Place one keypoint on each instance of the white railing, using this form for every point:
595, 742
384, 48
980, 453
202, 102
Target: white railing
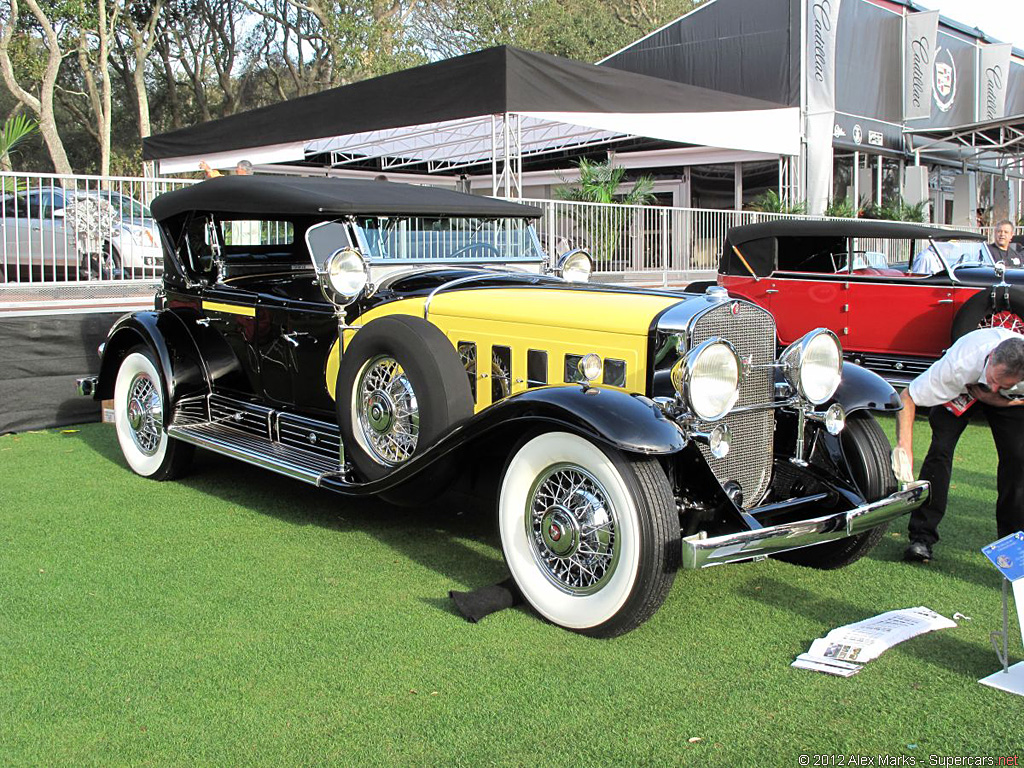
41, 245
653, 243
68, 230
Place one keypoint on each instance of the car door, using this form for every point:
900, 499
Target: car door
230, 313
908, 316
297, 337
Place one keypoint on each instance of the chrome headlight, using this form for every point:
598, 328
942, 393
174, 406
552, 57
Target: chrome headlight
575, 266
708, 379
813, 366
344, 276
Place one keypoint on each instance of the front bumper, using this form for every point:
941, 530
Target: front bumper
701, 552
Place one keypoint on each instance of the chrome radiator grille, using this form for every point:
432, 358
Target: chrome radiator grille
752, 331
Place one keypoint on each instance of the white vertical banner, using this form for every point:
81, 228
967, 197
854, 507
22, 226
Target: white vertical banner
993, 74
918, 57
822, 17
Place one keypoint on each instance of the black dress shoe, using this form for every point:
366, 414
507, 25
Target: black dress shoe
918, 552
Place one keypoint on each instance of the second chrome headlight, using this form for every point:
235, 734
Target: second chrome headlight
814, 365
708, 379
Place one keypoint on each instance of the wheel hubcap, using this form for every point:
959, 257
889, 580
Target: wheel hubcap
387, 414
145, 414
571, 527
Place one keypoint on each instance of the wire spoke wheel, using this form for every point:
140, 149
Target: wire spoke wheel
145, 413
571, 527
387, 411
590, 535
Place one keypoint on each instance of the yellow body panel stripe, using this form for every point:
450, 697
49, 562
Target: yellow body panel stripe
231, 309
614, 325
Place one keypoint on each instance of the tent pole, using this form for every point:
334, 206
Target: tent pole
494, 159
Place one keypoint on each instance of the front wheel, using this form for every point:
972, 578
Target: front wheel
139, 419
867, 452
590, 535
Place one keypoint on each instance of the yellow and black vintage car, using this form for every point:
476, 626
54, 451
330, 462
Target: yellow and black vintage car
375, 338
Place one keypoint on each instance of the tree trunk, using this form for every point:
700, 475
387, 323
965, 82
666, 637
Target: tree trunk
41, 106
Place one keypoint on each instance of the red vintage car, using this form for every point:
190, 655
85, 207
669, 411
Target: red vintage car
895, 294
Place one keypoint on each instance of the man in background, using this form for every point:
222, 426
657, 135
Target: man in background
1001, 248
975, 370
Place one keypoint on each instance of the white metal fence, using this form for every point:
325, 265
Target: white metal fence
79, 230
656, 244
112, 241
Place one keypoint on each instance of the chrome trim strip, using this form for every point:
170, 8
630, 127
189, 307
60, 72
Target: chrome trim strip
701, 552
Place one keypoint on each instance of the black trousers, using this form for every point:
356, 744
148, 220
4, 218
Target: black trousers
1007, 426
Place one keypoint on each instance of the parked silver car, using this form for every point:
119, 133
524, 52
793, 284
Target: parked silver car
37, 242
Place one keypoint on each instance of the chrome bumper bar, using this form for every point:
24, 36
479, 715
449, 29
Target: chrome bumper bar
699, 551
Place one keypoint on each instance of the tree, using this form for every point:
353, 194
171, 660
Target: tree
40, 103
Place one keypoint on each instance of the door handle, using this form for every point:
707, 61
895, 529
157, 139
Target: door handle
203, 321
772, 290
292, 338
944, 301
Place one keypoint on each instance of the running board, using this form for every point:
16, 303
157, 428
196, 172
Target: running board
261, 451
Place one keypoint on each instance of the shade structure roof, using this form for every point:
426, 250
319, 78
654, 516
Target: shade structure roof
289, 196
442, 115
1000, 139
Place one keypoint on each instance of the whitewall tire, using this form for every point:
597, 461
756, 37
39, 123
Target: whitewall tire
139, 402
590, 535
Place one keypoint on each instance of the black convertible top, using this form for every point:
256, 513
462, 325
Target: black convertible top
845, 228
292, 195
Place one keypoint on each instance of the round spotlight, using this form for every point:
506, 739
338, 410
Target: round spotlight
835, 419
720, 441
344, 276
590, 366
575, 266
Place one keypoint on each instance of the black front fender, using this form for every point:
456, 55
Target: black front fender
861, 389
166, 335
630, 423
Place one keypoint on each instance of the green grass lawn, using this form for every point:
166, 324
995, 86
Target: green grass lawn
237, 618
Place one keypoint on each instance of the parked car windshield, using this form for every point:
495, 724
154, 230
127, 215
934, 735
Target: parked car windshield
420, 239
954, 253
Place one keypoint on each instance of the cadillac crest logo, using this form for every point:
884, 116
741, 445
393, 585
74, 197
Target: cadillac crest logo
945, 79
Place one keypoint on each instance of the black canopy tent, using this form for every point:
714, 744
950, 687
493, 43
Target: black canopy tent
494, 107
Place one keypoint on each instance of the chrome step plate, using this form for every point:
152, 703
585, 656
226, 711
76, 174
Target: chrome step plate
261, 451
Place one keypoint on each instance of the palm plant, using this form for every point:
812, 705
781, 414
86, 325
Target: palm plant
15, 130
599, 182
770, 202
841, 208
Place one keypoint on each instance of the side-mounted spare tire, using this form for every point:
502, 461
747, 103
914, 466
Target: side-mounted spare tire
996, 306
401, 386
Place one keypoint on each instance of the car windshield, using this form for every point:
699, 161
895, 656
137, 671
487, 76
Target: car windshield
419, 239
954, 253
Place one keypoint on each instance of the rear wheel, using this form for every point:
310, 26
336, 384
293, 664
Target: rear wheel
139, 419
983, 310
867, 451
590, 535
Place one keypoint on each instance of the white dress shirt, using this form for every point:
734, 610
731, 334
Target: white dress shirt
963, 364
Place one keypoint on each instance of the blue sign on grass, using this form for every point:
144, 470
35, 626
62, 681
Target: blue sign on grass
1007, 555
